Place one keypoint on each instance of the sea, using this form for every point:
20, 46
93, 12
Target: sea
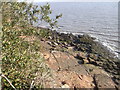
97, 19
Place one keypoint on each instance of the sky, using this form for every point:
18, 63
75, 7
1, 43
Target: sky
70, 0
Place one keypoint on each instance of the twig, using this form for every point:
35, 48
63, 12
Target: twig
31, 86
8, 81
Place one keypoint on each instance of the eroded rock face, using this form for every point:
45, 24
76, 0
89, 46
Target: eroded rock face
75, 62
67, 72
79, 59
62, 61
72, 79
103, 81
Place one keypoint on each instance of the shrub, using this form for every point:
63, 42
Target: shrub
21, 60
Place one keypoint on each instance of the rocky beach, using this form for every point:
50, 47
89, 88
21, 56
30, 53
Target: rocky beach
77, 61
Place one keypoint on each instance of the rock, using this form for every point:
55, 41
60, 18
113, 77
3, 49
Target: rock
52, 63
50, 43
85, 61
83, 54
94, 56
42, 39
70, 48
65, 86
92, 60
55, 43
103, 81
46, 55
61, 60
95, 70
79, 69
79, 36
49, 37
73, 79
99, 63
80, 59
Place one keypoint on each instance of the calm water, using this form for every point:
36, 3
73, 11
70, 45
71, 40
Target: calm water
99, 20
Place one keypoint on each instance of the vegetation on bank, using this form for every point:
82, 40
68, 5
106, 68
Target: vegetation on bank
21, 60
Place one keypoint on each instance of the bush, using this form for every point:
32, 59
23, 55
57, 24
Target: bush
21, 59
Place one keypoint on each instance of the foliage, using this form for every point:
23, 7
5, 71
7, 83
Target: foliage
21, 59
45, 12
23, 14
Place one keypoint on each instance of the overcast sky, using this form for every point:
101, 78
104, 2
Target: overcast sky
71, 0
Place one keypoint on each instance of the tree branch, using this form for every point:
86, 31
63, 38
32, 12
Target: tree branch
8, 81
31, 86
